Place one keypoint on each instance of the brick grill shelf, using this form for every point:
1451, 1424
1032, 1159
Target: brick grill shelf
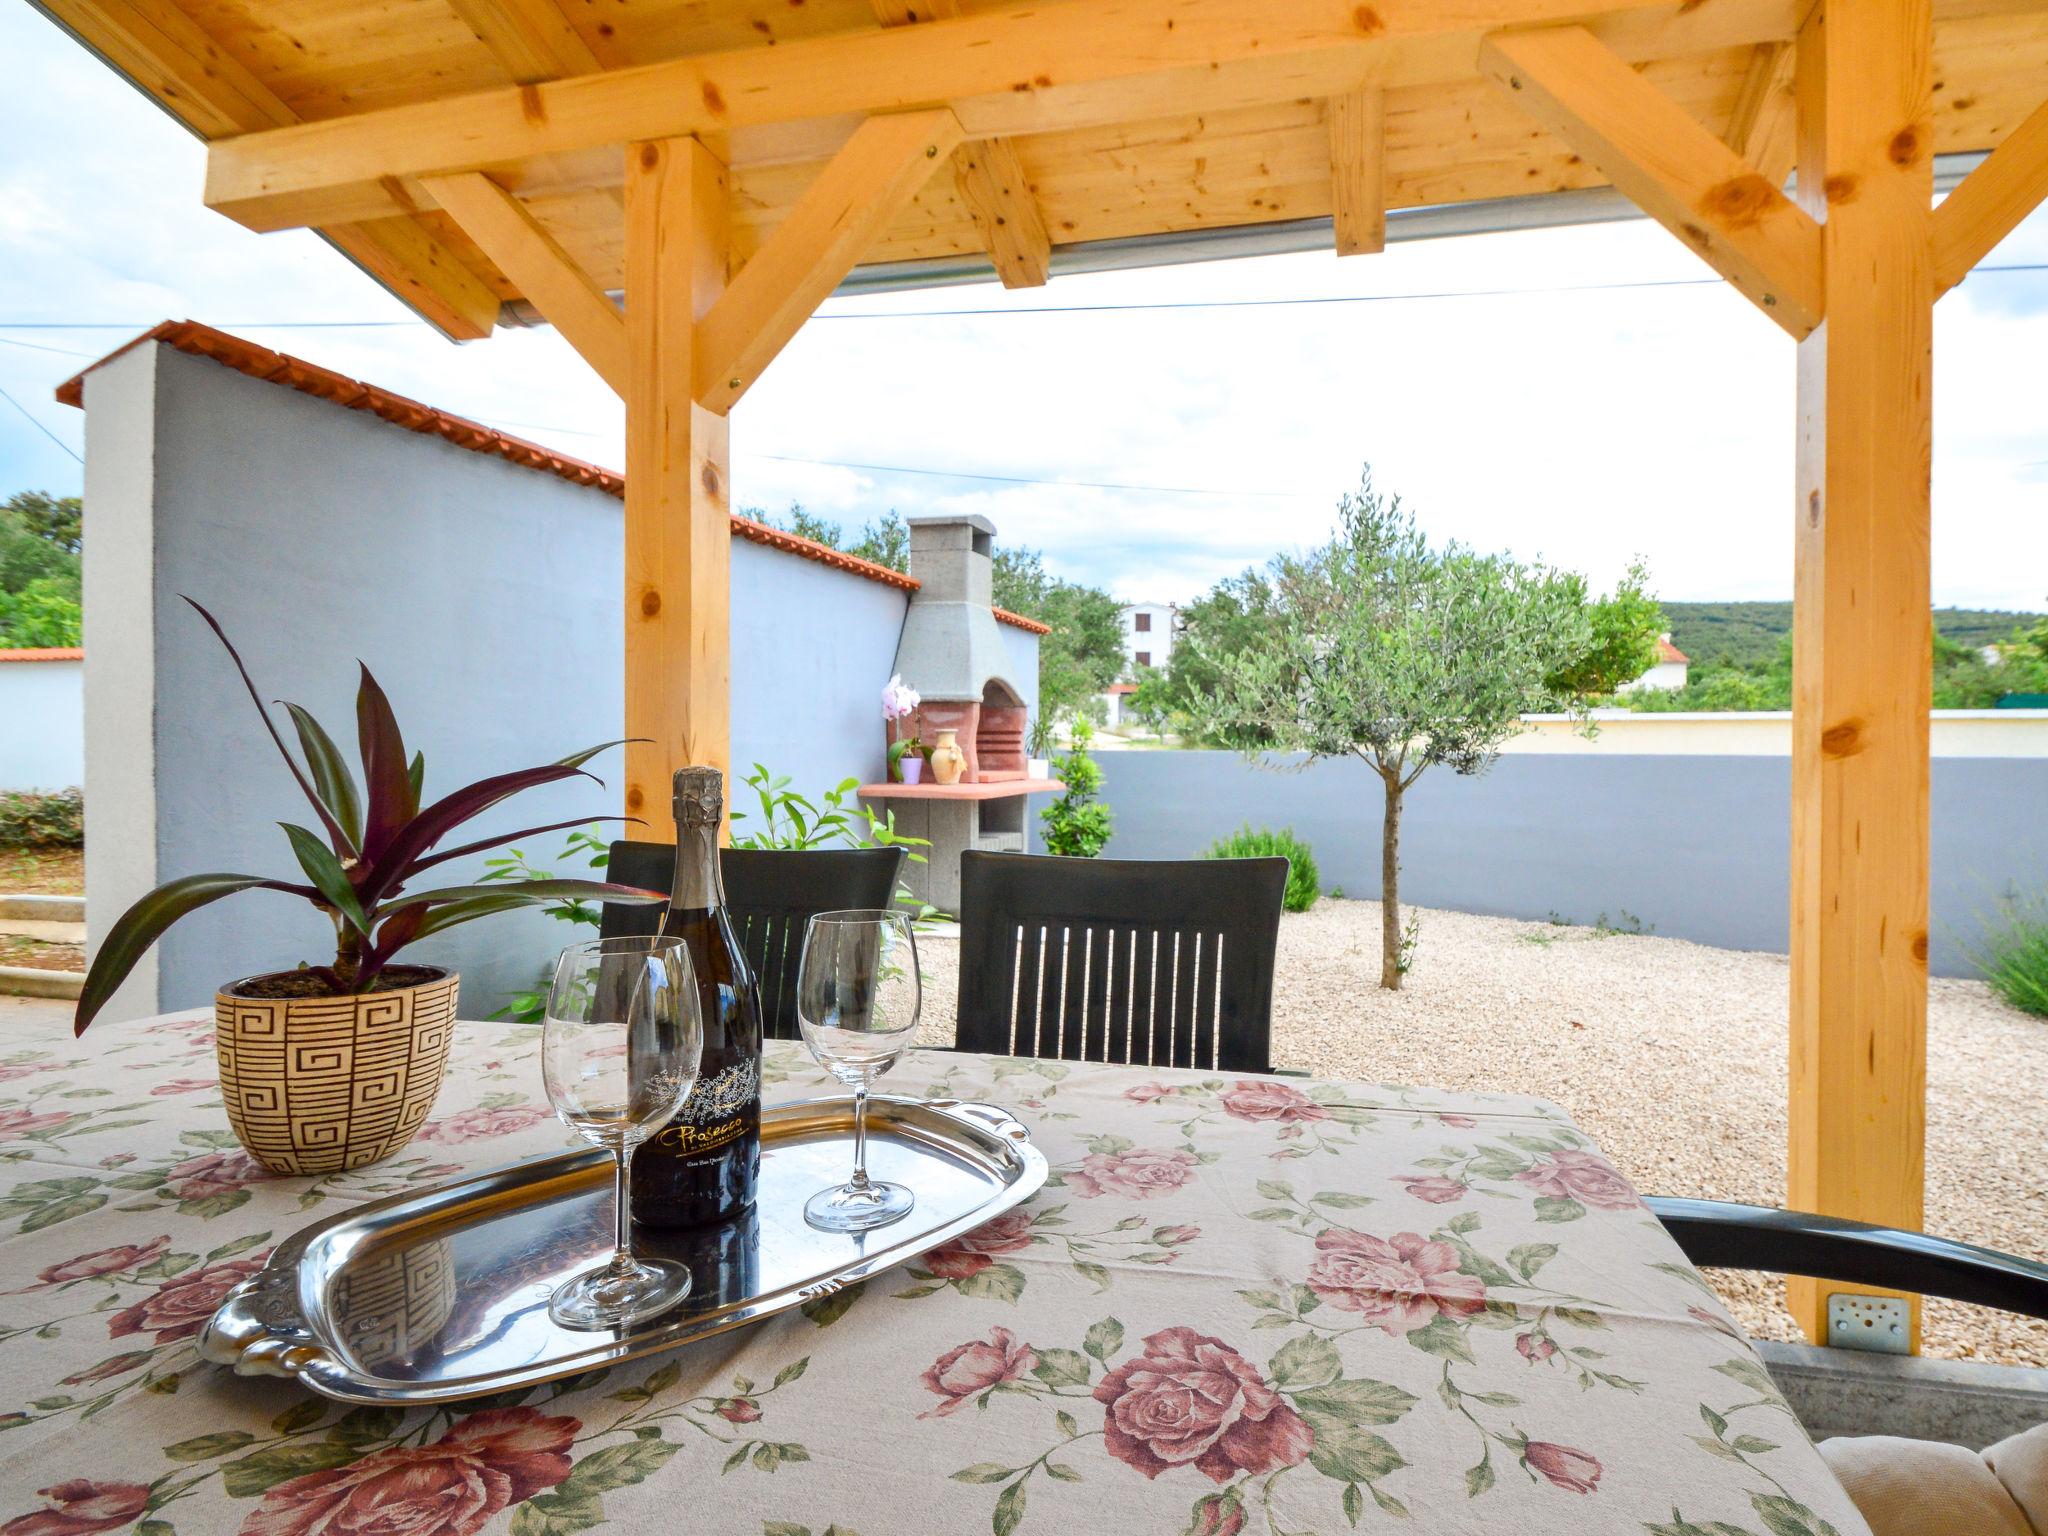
998, 789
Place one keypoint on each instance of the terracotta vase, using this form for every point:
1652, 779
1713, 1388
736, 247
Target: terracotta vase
319, 1084
948, 761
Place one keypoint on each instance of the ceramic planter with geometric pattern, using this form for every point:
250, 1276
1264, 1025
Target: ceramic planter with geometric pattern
319, 1084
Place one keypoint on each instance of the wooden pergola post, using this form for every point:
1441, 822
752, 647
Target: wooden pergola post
678, 470
1862, 651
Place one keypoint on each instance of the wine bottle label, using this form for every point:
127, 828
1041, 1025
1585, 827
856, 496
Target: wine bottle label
716, 1111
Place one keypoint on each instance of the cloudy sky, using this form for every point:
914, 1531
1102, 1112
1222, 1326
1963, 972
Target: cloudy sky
1578, 395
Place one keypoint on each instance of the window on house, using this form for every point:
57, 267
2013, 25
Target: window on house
1144, 658
1142, 623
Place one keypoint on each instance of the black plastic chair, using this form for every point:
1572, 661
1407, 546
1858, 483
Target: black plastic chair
1723, 1235
771, 893
1151, 963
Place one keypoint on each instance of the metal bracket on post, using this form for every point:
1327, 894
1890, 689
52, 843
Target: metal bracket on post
1876, 1324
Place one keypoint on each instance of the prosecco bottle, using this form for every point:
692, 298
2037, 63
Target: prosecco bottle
702, 1166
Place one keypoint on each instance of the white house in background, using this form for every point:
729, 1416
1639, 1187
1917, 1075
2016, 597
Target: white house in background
1148, 634
1668, 674
42, 719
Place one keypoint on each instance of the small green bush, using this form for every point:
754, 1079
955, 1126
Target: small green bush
1077, 824
54, 820
2014, 955
1303, 883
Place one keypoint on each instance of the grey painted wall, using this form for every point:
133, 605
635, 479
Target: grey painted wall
486, 598
1698, 847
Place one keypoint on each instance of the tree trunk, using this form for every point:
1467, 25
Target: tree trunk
1390, 886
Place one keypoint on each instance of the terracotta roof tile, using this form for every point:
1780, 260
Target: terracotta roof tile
309, 378
45, 653
1667, 652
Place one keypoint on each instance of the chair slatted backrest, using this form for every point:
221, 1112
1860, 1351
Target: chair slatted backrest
1146, 962
772, 893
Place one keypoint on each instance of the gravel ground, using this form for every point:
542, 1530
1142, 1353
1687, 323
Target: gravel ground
1672, 1056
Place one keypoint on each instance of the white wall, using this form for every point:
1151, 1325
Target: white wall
1157, 642
42, 724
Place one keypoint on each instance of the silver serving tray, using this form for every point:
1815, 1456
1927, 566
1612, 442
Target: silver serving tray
442, 1294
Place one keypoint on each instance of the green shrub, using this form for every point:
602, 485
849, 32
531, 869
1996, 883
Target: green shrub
1077, 824
55, 820
1303, 883
2014, 955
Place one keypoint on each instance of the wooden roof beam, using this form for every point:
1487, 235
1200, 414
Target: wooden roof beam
882, 167
1357, 123
531, 39
573, 302
205, 87
989, 177
1668, 165
1992, 200
1019, 69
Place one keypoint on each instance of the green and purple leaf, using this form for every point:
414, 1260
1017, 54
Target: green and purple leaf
327, 875
387, 781
393, 864
334, 830
531, 892
144, 923
331, 777
486, 844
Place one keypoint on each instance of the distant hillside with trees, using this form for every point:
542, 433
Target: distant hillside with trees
1747, 636
40, 539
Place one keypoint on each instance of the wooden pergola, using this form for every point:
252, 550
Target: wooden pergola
728, 163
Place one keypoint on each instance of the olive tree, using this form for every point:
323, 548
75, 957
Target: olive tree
1403, 656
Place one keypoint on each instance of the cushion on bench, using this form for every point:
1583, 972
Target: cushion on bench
1930, 1488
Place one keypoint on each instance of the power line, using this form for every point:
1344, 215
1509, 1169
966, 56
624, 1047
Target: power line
53, 437
962, 474
29, 346
1040, 309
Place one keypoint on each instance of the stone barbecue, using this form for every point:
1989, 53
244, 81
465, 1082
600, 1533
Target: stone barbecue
952, 653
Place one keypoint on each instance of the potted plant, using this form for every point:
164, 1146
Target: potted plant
906, 752
335, 1065
1039, 741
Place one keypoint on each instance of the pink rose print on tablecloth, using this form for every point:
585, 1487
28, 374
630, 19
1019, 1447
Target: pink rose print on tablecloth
1400, 1284
1457, 1122
105, 1261
1271, 1101
1192, 1399
214, 1173
970, 1255
1585, 1177
183, 1085
1216, 1514
481, 1124
960, 1373
1433, 1187
1148, 1093
738, 1410
484, 1465
179, 1307
1534, 1348
1573, 1471
26, 1122
79, 1507
10, 1071
107, 1369
1141, 1173
1174, 1237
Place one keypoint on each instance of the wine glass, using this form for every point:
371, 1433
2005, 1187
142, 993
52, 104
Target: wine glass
619, 1054
857, 996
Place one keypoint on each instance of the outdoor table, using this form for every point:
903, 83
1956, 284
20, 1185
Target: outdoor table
1260, 1304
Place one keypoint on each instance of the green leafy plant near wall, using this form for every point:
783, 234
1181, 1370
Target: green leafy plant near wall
2014, 954
1077, 824
787, 820
53, 820
1304, 884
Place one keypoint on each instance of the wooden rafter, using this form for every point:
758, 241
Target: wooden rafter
157, 45
1019, 69
532, 39
1992, 200
854, 198
1358, 169
1670, 167
561, 290
989, 177
991, 182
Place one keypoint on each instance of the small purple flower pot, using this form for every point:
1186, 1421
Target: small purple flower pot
912, 768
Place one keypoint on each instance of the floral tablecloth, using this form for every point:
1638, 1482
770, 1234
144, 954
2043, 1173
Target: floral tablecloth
1240, 1304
